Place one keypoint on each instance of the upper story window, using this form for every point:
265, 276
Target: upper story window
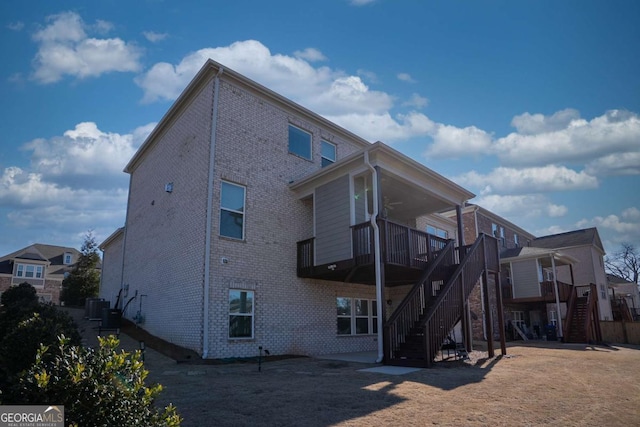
328, 151
232, 202
516, 240
299, 142
498, 232
67, 258
30, 271
437, 231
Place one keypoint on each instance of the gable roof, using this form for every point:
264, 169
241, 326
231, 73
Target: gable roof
211, 70
52, 254
529, 252
587, 236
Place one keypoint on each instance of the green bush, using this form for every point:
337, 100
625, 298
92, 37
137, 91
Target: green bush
100, 387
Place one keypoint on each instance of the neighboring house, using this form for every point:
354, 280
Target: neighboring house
254, 222
624, 297
43, 266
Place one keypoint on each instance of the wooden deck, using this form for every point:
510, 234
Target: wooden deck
406, 252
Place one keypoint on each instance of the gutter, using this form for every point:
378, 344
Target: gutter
377, 259
208, 230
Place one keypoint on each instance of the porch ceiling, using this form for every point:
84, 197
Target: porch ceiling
409, 189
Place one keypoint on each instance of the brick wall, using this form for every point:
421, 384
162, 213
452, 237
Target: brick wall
165, 241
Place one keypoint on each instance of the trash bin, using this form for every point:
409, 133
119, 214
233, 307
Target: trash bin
552, 335
111, 318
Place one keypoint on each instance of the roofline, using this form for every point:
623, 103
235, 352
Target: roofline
111, 238
555, 253
209, 70
472, 207
396, 155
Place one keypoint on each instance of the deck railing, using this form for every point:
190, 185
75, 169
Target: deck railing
547, 291
401, 245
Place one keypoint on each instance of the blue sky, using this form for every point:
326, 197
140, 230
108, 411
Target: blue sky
532, 105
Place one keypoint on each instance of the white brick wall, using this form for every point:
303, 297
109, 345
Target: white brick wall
166, 232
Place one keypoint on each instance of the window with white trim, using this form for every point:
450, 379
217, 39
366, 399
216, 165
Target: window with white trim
299, 142
516, 240
328, 153
435, 231
240, 313
356, 316
67, 258
30, 271
232, 200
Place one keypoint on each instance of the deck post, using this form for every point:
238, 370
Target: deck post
503, 341
487, 310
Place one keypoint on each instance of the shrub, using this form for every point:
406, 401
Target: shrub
100, 387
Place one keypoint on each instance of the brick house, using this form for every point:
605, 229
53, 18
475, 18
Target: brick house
254, 222
43, 266
539, 275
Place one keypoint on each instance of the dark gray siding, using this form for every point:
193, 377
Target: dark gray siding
333, 232
525, 279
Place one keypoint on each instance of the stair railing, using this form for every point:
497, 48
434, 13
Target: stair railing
592, 321
414, 304
448, 306
571, 308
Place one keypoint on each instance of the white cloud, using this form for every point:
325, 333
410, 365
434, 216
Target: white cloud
310, 54
616, 229
416, 101
405, 77
320, 89
451, 141
66, 49
564, 137
85, 155
533, 124
361, 2
382, 127
615, 164
505, 180
154, 37
521, 207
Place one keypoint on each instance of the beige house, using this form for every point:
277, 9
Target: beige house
43, 266
254, 222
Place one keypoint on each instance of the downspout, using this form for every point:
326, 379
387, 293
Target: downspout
377, 258
124, 246
208, 230
555, 284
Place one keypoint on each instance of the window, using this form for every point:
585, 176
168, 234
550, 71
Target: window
553, 320
437, 231
603, 292
32, 271
516, 240
67, 258
299, 142
328, 152
240, 314
356, 316
232, 210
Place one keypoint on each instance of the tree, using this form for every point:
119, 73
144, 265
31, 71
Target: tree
625, 263
84, 280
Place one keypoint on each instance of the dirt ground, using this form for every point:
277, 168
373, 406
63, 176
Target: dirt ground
536, 384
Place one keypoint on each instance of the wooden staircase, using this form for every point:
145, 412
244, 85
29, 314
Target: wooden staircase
583, 321
415, 332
